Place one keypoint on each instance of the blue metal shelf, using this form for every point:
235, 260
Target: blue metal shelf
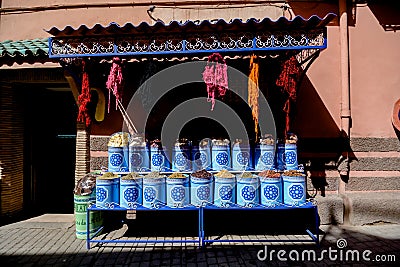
201, 240
141, 208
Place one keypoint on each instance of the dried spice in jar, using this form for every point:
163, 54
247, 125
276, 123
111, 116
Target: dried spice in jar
269, 174
108, 175
119, 140
220, 142
156, 143
183, 142
177, 175
154, 175
246, 175
291, 138
204, 143
224, 174
201, 174
293, 173
268, 139
138, 141
131, 176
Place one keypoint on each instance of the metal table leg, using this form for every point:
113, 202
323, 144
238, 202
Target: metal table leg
87, 229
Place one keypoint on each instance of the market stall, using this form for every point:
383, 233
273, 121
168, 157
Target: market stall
247, 172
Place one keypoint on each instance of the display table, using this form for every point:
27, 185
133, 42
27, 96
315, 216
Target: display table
201, 238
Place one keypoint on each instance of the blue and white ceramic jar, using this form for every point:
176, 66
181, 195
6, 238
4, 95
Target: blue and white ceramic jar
139, 155
291, 157
201, 156
107, 191
294, 189
130, 192
178, 191
241, 156
159, 160
271, 191
221, 156
248, 192
201, 189
225, 191
154, 195
118, 152
181, 157
264, 155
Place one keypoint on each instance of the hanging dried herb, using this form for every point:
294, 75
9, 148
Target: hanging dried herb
288, 81
115, 82
84, 98
215, 76
253, 93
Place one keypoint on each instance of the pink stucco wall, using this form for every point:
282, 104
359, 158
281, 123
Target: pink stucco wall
375, 76
33, 25
374, 70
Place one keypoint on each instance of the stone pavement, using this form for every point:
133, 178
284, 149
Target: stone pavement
49, 240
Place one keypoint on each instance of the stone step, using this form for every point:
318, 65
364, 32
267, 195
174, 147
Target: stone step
364, 207
369, 207
330, 209
359, 181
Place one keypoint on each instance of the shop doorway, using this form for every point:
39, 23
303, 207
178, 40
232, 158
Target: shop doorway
49, 150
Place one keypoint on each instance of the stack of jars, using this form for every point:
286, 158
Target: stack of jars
215, 155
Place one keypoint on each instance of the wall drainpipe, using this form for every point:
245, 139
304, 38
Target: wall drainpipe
345, 111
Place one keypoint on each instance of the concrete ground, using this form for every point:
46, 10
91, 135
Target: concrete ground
49, 240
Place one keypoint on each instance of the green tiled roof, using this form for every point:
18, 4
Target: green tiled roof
30, 51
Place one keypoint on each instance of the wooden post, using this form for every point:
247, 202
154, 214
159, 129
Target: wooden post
82, 155
82, 160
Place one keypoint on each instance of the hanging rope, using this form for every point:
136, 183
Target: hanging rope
253, 91
288, 81
215, 76
85, 97
114, 82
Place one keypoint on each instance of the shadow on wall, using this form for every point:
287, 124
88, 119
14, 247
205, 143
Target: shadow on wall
322, 143
313, 118
397, 133
387, 13
320, 8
